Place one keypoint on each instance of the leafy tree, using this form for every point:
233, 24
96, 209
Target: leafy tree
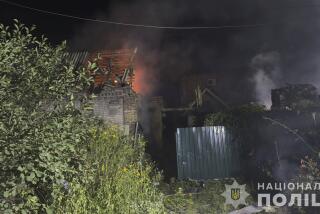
41, 131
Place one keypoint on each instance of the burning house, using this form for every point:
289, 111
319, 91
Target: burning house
115, 102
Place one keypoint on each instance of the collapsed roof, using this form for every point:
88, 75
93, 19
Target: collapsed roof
114, 68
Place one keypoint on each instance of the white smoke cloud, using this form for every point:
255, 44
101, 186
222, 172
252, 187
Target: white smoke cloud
267, 75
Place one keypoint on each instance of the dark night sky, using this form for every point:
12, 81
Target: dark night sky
288, 43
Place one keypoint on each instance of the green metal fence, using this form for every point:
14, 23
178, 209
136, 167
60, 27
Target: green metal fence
206, 153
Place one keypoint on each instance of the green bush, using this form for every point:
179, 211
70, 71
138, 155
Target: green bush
54, 158
121, 182
40, 129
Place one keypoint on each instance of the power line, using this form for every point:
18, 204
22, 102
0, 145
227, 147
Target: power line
131, 24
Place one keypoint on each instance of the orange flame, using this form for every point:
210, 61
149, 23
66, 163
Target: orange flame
142, 81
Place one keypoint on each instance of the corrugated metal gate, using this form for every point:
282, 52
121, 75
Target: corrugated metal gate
206, 153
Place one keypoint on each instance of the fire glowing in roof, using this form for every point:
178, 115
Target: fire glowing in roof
115, 67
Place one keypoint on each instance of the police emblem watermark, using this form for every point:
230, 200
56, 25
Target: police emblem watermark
235, 194
289, 194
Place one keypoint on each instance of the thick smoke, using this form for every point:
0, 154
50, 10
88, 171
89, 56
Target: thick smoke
165, 56
247, 62
270, 72
267, 76
288, 37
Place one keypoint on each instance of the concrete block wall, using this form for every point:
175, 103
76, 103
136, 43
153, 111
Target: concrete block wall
117, 106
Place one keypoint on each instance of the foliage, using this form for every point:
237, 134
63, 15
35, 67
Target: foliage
179, 202
121, 182
309, 174
311, 168
53, 157
245, 123
197, 197
300, 97
41, 131
235, 118
247, 126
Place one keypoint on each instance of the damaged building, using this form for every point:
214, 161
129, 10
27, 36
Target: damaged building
115, 102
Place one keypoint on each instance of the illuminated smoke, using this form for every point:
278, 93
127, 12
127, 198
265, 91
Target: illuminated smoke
142, 83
